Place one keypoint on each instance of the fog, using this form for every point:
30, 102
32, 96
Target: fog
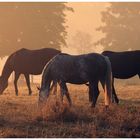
85, 18
81, 28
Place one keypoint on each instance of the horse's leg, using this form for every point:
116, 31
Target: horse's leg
114, 92
95, 93
28, 83
90, 92
15, 82
68, 97
64, 91
54, 87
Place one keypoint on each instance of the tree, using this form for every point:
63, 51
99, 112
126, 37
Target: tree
82, 42
32, 25
121, 27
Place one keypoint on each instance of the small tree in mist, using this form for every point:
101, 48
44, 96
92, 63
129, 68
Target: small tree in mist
32, 25
82, 42
121, 27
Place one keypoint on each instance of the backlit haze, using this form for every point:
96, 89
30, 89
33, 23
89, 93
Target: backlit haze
86, 18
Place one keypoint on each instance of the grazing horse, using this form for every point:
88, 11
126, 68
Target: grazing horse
78, 69
124, 65
25, 62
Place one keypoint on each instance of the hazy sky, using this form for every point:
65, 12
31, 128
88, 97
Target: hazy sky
86, 17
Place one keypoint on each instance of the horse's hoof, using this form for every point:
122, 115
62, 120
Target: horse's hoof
106, 107
117, 102
30, 93
92, 106
70, 105
113, 101
90, 100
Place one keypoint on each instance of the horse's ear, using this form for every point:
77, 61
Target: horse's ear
38, 88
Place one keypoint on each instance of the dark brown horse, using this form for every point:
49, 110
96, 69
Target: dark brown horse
25, 62
124, 65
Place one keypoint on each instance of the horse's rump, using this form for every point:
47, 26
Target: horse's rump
124, 64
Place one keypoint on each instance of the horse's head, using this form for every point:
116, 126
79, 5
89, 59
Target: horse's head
3, 84
43, 95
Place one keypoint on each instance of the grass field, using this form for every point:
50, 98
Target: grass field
19, 116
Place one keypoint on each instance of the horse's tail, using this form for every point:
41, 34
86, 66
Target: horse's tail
108, 82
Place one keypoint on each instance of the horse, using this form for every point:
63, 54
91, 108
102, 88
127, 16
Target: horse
77, 69
25, 62
124, 65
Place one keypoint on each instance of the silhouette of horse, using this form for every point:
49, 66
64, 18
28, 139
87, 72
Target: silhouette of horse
25, 62
78, 69
124, 65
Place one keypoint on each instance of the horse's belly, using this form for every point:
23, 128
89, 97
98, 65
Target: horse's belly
77, 81
29, 70
81, 78
124, 75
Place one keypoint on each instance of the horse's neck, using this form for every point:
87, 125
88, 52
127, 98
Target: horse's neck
46, 77
6, 72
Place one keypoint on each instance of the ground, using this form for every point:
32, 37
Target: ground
20, 117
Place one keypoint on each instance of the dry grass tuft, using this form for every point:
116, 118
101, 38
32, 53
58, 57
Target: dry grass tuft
55, 110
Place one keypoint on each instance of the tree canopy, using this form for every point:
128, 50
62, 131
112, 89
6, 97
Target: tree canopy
32, 25
121, 26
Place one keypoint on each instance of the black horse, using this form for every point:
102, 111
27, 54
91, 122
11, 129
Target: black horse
25, 62
79, 69
124, 65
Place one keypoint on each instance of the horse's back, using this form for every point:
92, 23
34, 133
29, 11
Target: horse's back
32, 61
124, 64
38, 52
78, 67
92, 58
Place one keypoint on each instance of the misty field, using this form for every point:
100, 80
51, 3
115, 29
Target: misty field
19, 116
